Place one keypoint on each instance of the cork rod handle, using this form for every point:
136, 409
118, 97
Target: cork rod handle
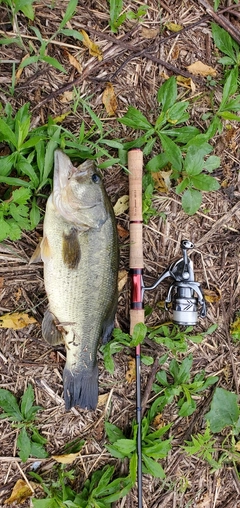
135, 166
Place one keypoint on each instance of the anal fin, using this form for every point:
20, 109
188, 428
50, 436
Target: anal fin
50, 331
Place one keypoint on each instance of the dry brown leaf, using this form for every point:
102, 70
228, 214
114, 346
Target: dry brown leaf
121, 205
123, 233
131, 372
73, 61
158, 422
66, 458
1, 282
94, 50
162, 181
149, 33
102, 399
202, 69
205, 502
122, 279
109, 100
186, 82
20, 69
212, 296
175, 52
16, 321
67, 97
173, 27
21, 491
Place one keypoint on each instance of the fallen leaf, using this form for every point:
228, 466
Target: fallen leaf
122, 279
60, 118
173, 27
202, 69
67, 458
1, 282
158, 422
121, 205
205, 502
109, 100
102, 399
149, 33
123, 233
186, 82
66, 97
73, 61
175, 52
20, 69
94, 50
162, 181
131, 372
21, 491
212, 296
16, 321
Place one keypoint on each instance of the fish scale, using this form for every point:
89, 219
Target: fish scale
80, 275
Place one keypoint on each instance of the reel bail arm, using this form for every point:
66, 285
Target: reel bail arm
181, 292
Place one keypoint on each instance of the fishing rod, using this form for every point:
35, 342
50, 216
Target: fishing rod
135, 166
184, 295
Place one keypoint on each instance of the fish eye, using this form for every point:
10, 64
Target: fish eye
96, 178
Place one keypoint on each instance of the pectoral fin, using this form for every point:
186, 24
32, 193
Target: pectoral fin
71, 249
36, 256
50, 331
45, 249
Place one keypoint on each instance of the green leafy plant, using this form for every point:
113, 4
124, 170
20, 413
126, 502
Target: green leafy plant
204, 447
177, 384
29, 441
117, 17
227, 45
154, 447
28, 167
188, 163
175, 339
99, 491
17, 6
224, 413
121, 340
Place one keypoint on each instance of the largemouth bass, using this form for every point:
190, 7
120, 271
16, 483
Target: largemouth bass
80, 254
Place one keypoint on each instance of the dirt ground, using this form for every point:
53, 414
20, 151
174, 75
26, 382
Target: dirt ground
136, 62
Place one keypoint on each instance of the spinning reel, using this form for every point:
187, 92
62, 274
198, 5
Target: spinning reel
182, 290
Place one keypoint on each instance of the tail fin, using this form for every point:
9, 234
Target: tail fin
81, 389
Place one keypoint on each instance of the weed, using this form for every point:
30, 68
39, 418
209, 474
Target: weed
98, 491
117, 17
154, 447
224, 413
178, 385
29, 441
188, 163
17, 6
30, 162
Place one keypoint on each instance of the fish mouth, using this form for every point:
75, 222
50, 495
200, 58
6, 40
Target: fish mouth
63, 170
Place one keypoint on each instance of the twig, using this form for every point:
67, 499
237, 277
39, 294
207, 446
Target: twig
222, 21
226, 326
220, 223
24, 477
149, 384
